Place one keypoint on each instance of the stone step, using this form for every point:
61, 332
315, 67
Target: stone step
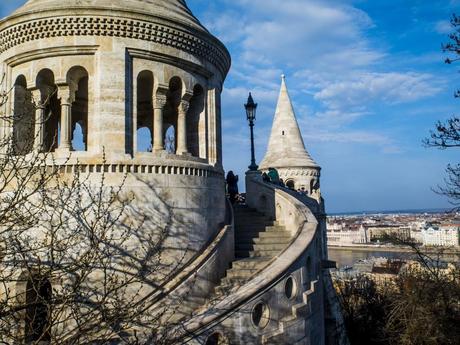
234, 281
275, 228
244, 243
241, 273
270, 246
251, 263
259, 253
275, 234
272, 240
260, 239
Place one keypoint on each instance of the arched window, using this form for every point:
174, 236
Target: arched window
78, 141
77, 78
170, 140
38, 313
174, 97
196, 122
52, 110
23, 118
144, 111
290, 184
144, 140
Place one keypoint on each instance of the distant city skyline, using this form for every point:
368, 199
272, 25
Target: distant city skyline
367, 80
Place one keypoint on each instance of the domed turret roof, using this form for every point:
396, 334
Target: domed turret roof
175, 10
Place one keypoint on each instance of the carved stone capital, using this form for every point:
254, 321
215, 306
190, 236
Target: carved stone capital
66, 94
37, 98
184, 106
159, 101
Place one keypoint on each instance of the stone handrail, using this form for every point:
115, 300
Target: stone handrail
297, 218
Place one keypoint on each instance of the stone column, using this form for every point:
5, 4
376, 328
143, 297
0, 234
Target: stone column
159, 103
65, 94
182, 128
39, 120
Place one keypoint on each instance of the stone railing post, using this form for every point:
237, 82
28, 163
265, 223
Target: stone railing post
159, 103
182, 128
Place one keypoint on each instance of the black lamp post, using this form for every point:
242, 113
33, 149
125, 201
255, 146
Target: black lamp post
251, 108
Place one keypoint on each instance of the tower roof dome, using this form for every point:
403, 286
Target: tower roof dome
176, 10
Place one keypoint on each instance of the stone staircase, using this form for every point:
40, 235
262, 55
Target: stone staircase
257, 242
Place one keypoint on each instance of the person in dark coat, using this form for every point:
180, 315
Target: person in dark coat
265, 177
232, 186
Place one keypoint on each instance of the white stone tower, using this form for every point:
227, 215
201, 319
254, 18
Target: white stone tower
286, 149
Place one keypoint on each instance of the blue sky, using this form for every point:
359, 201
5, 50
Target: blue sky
367, 80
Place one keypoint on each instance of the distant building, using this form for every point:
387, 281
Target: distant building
446, 235
342, 235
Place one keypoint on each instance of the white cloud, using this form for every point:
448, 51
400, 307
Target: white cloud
443, 27
390, 88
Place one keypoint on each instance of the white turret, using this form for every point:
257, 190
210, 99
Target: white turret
286, 149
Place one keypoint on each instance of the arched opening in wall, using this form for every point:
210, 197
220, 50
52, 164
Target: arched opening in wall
144, 140
195, 121
216, 339
23, 118
77, 78
144, 111
78, 136
290, 184
260, 315
173, 97
38, 312
52, 110
170, 140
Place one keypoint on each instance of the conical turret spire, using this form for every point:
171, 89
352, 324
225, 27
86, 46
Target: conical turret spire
286, 147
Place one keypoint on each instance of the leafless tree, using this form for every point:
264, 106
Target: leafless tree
447, 134
81, 262
421, 305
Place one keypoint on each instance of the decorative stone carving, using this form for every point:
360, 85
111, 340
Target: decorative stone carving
116, 27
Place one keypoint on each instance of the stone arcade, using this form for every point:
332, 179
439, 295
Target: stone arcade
108, 72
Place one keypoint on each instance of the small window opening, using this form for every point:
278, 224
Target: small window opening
144, 140
261, 315
78, 136
170, 140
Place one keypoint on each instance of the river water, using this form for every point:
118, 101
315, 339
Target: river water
347, 257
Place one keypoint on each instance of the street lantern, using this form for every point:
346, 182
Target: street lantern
251, 108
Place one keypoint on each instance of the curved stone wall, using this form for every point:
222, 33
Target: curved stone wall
265, 310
